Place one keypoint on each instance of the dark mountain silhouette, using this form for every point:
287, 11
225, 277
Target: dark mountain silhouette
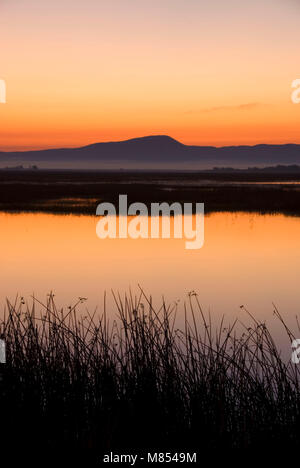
279, 169
159, 150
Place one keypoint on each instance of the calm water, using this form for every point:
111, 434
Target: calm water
247, 259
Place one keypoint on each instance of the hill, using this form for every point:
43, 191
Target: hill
154, 152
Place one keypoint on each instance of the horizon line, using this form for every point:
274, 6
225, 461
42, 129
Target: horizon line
159, 135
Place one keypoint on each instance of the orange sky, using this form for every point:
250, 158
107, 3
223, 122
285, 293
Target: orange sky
215, 73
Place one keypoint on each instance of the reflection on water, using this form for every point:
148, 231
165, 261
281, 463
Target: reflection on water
247, 259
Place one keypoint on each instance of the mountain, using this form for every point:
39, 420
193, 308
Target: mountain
156, 151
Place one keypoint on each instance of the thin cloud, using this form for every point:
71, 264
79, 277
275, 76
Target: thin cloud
247, 106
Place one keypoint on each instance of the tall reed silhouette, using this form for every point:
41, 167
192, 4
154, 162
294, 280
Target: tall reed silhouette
94, 383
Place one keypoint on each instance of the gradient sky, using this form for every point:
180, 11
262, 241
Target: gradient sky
205, 72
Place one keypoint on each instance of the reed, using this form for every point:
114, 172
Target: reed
90, 382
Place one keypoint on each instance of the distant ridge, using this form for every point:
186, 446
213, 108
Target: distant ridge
160, 149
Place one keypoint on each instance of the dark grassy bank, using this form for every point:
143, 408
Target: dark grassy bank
81, 191
89, 385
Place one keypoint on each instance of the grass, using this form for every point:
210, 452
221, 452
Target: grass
92, 384
79, 192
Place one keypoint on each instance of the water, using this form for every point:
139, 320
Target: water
247, 259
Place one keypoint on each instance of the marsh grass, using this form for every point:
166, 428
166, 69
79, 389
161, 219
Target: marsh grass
93, 383
72, 191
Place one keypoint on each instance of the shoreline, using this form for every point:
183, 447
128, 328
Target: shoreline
71, 192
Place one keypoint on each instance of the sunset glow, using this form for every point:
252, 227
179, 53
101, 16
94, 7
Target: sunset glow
213, 74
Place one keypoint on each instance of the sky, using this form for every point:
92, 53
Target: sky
204, 72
